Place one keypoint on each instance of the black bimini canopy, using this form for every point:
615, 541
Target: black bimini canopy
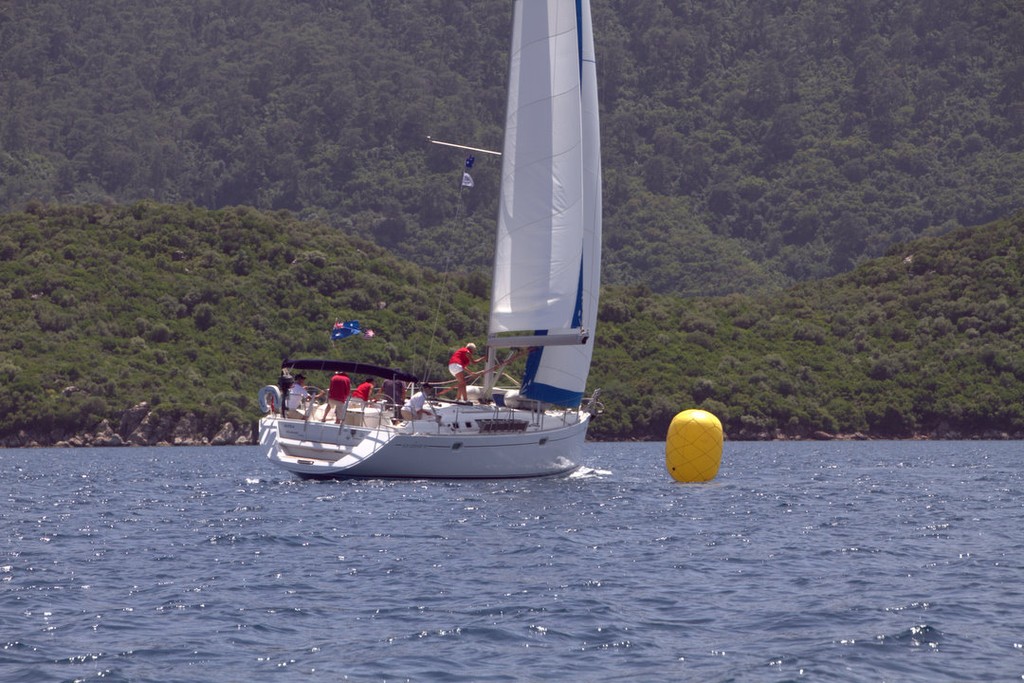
325, 365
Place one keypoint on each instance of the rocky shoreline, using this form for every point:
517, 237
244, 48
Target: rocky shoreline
941, 434
141, 426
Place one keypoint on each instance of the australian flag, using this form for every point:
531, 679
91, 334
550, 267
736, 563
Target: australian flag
343, 330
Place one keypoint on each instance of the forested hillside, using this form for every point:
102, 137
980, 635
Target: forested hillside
746, 144
191, 311
923, 341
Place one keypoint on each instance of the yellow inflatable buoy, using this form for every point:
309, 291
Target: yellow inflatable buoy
693, 448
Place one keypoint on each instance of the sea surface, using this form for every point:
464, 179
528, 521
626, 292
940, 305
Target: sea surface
837, 561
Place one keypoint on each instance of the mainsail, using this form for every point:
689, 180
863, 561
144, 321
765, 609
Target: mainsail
547, 258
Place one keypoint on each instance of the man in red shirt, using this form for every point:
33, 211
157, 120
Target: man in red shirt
337, 395
364, 390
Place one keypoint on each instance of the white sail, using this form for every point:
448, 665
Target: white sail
539, 241
547, 262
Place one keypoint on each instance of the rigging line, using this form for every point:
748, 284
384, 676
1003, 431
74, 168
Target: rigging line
444, 289
474, 376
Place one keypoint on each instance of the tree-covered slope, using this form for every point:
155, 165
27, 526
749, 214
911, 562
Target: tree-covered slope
923, 341
746, 144
191, 310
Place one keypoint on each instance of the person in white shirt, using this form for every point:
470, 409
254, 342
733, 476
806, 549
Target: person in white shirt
299, 398
417, 406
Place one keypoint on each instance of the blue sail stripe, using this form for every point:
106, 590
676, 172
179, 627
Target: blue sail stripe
579, 34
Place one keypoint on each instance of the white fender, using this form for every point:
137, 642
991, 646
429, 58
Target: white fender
269, 398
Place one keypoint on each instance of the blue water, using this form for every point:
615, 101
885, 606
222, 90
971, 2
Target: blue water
868, 561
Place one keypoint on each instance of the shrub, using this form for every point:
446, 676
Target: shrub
204, 317
159, 333
9, 372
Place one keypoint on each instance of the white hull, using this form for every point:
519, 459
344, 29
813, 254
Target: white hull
460, 446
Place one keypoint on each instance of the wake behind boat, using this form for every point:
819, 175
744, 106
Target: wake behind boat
544, 297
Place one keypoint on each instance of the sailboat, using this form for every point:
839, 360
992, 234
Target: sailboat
544, 297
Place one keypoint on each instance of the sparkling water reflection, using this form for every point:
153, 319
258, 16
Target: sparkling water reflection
800, 561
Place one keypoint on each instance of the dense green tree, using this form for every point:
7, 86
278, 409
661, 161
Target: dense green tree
789, 140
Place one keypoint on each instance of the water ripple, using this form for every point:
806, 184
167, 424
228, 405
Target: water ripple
844, 561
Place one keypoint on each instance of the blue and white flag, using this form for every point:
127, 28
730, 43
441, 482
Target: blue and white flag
343, 330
